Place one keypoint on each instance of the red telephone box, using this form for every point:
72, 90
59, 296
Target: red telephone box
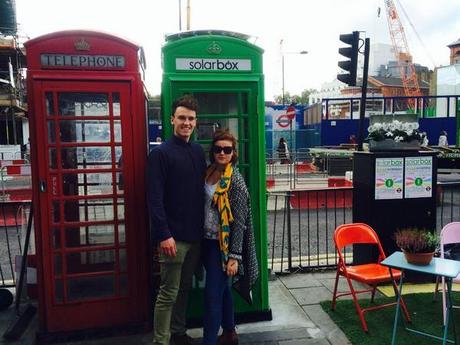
88, 141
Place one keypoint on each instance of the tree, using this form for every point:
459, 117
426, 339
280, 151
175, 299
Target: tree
306, 95
288, 99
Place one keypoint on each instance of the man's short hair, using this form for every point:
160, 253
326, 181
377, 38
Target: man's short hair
186, 101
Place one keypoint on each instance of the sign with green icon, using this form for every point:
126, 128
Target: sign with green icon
418, 181
389, 178
408, 178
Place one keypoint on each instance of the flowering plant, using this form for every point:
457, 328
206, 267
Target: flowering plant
414, 240
397, 130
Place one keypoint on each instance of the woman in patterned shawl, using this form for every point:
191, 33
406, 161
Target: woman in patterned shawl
228, 248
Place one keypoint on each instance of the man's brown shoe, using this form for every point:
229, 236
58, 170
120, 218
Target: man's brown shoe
228, 338
182, 339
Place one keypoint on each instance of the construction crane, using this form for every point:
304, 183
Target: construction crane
402, 54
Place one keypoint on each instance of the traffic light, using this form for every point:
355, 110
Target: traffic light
351, 53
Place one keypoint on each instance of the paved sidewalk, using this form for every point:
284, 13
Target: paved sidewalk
297, 317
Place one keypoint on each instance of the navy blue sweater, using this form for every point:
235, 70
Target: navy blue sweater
175, 180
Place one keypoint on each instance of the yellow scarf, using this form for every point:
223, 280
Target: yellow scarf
220, 198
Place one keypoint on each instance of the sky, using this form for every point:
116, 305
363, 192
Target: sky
311, 25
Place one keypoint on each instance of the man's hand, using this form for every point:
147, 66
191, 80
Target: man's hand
168, 247
232, 267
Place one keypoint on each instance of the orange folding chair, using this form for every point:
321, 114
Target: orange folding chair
371, 274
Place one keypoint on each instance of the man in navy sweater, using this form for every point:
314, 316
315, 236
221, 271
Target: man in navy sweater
175, 175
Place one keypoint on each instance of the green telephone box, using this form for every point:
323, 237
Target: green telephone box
223, 71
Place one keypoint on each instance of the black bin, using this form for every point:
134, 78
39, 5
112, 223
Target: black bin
396, 204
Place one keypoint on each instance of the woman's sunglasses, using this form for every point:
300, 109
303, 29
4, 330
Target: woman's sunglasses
218, 149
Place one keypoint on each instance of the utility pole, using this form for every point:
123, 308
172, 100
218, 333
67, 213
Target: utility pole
282, 81
180, 15
282, 70
188, 14
362, 108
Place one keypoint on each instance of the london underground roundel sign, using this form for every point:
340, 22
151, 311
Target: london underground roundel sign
283, 120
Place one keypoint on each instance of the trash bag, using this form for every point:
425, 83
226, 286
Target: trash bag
452, 251
6, 298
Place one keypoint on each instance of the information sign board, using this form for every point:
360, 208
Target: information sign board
418, 181
389, 178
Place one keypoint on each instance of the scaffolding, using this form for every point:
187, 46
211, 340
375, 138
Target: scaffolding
13, 106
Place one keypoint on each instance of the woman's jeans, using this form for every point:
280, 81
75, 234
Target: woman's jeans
218, 295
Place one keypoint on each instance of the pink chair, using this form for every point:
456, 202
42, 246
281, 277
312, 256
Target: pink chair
450, 234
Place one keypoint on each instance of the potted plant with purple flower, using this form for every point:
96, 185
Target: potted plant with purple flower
418, 245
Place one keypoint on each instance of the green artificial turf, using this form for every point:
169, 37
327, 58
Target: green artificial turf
426, 316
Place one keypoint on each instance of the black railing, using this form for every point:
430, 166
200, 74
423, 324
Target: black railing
448, 202
297, 172
425, 106
14, 218
301, 224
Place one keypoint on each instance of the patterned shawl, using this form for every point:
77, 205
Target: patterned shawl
220, 199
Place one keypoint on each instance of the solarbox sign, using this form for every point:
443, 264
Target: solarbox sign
223, 65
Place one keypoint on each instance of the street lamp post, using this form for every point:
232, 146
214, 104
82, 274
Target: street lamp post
302, 52
282, 76
180, 15
188, 15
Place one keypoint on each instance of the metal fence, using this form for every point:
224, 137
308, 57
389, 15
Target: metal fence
424, 106
297, 172
301, 224
448, 202
15, 203
14, 218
